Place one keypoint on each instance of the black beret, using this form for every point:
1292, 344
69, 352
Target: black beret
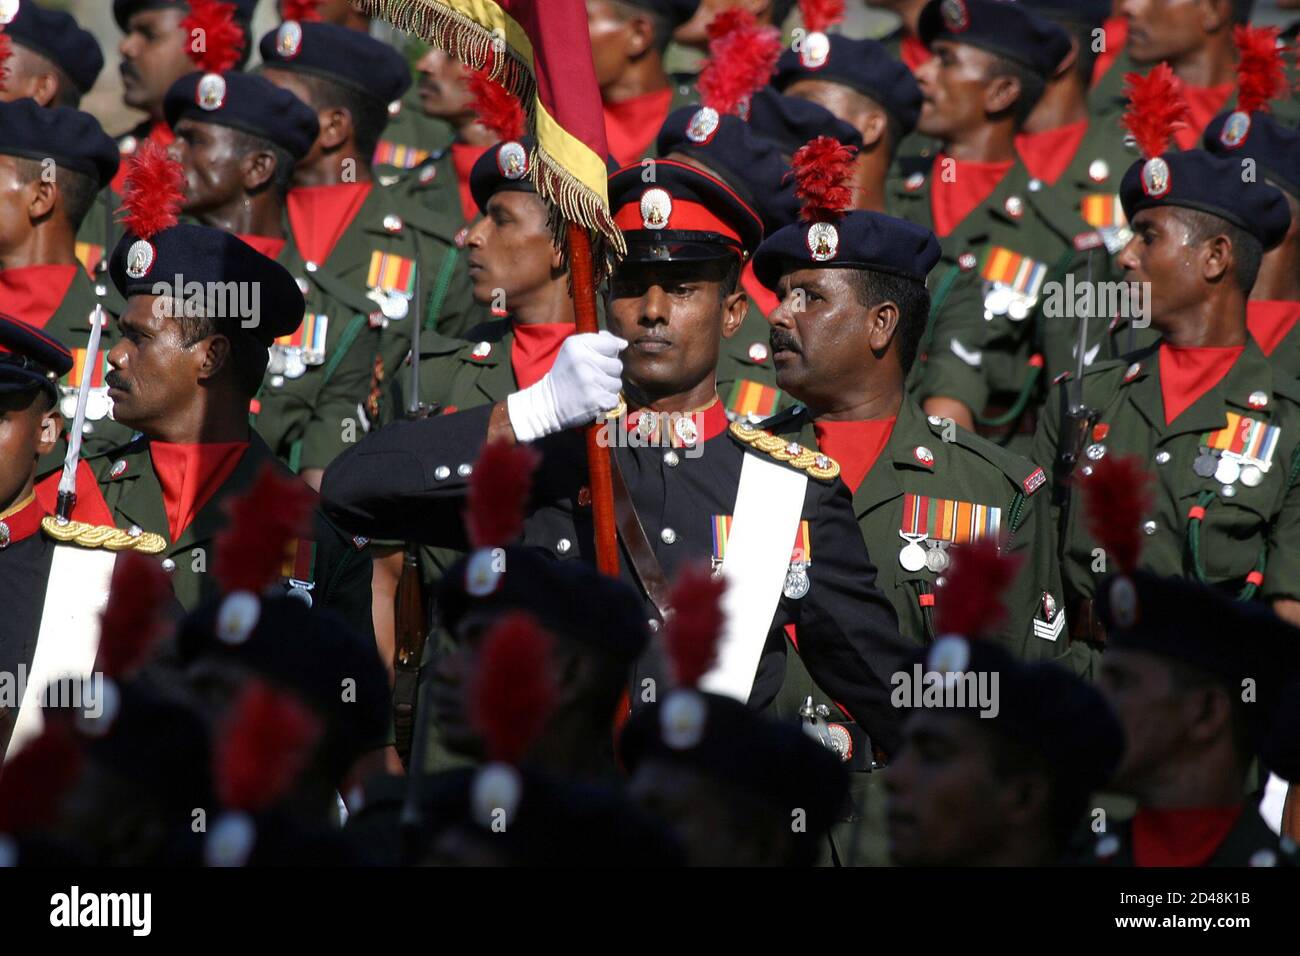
504, 166
569, 598
73, 139
311, 652
29, 358
343, 56
862, 65
671, 211
858, 240
1181, 620
123, 9
676, 12
1083, 11
729, 147
723, 739
1007, 29
203, 255
1195, 179
790, 121
56, 36
243, 101
1059, 717
1274, 148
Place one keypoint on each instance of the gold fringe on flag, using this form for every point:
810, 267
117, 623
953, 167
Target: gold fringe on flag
477, 47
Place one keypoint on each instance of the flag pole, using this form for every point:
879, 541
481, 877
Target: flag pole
598, 463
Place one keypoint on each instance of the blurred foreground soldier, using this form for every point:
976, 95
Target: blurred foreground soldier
992, 62
41, 280
738, 789
1200, 684
190, 357
695, 31
52, 59
1250, 135
905, 42
999, 758
679, 487
1203, 410
628, 39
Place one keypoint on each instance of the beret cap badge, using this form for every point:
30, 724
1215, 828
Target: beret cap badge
703, 125
288, 39
210, 94
8, 10
512, 161
1156, 179
955, 15
1235, 129
139, 258
823, 241
814, 50
656, 208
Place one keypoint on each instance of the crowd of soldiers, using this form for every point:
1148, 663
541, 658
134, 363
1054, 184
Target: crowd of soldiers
994, 317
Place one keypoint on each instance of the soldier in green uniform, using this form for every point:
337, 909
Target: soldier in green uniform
41, 281
1274, 306
186, 364
1002, 779
349, 241
628, 40
991, 63
1178, 660
848, 328
1203, 410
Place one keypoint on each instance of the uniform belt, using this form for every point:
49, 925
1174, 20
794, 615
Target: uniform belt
1084, 625
639, 552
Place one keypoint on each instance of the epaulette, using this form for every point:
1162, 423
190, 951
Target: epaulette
107, 537
1019, 470
815, 464
434, 343
133, 444
1288, 388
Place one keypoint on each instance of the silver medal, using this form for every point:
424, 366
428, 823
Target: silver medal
294, 366
1251, 475
796, 581
1227, 471
936, 559
98, 404
1205, 464
912, 557
275, 366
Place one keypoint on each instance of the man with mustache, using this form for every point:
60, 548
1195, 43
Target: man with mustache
1202, 410
679, 466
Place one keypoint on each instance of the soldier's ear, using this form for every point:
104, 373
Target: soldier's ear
882, 324
640, 36
1218, 257
51, 428
335, 127
214, 356
1067, 65
1001, 94
734, 307
873, 127
258, 169
44, 196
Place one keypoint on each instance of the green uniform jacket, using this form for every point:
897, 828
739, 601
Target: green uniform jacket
1021, 223
1244, 528
309, 419
1285, 357
1249, 843
340, 578
409, 137
746, 376
70, 325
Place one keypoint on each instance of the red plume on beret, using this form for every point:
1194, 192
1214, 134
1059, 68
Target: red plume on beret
1117, 495
5, 50
821, 174
155, 189
36, 777
742, 58
498, 493
970, 603
496, 107
820, 15
132, 622
692, 632
267, 742
304, 11
514, 690
1156, 108
213, 40
1261, 74
264, 524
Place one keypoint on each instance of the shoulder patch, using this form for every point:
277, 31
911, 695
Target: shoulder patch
813, 463
1034, 481
103, 536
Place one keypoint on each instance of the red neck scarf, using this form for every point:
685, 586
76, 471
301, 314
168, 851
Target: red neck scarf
34, 293
632, 125
1047, 155
1203, 104
711, 421
951, 202
1181, 836
1188, 373
534, 349
190, 475
22, 520
268, 246
914, 53
319, 215
463, 158
1269, 322
855, 445
1116, 29
161, 134
90, 507
759, 294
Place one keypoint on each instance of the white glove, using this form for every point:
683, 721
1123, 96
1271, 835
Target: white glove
584, 381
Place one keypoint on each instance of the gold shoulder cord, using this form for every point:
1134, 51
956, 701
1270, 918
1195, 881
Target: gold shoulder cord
103, 536
816, 464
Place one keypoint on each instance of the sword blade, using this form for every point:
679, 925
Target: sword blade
68, 480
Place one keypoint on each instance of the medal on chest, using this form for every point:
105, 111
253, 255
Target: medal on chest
941, 522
